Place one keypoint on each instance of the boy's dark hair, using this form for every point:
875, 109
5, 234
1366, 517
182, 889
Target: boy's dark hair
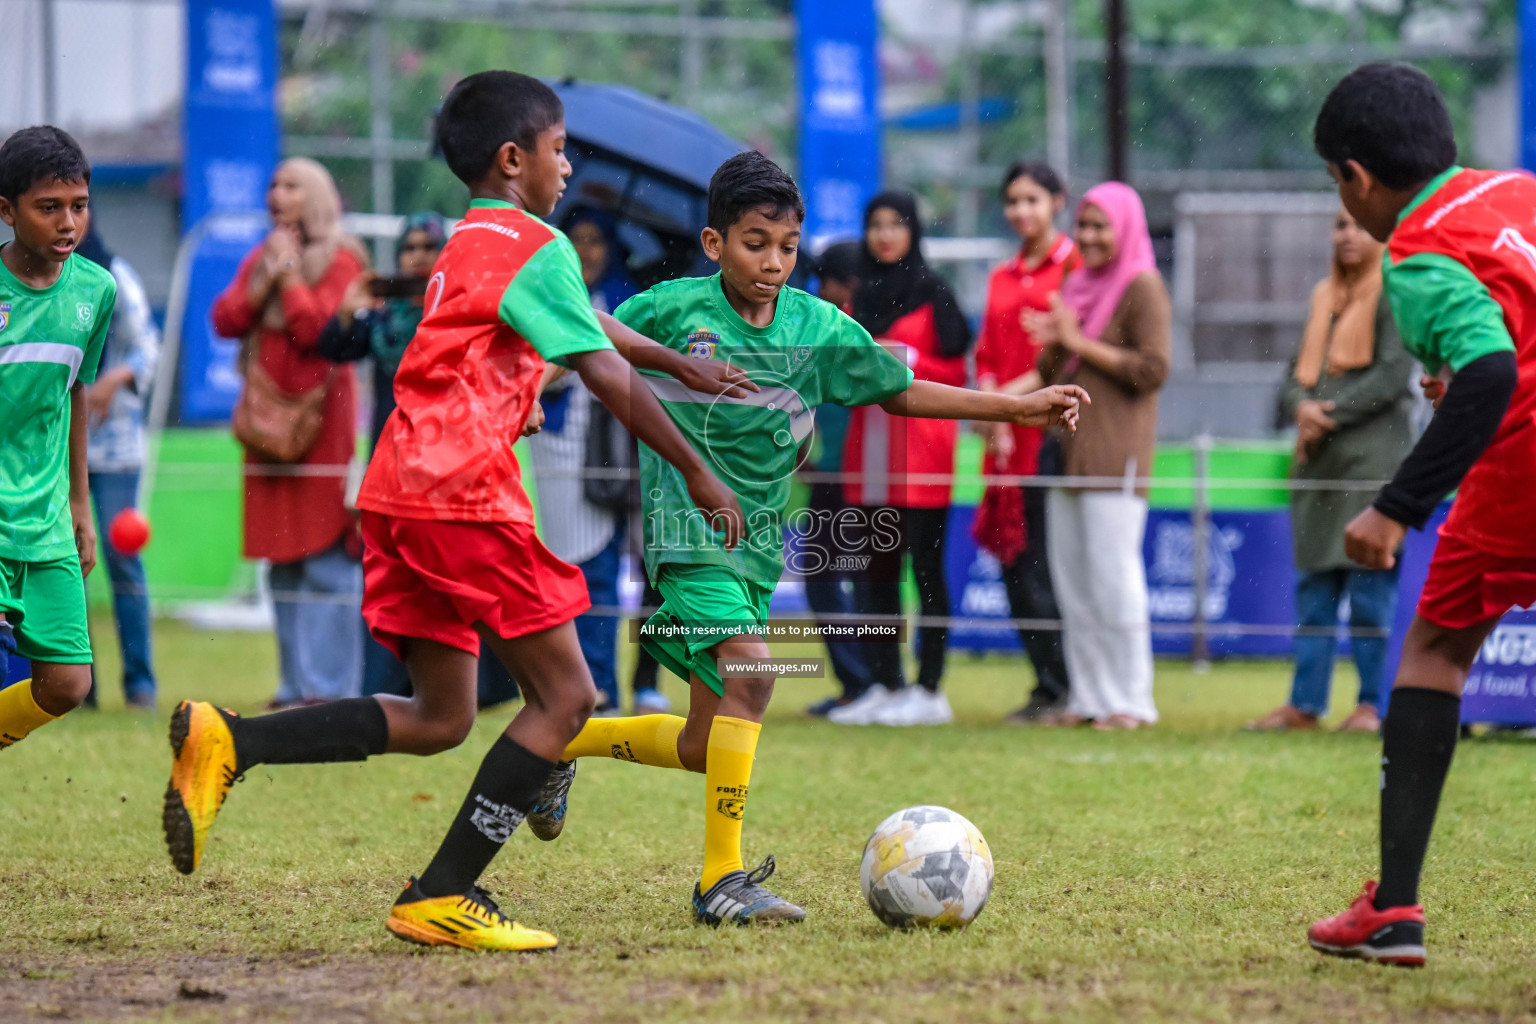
1392, 119
488, 110
746, 182
1037, 171
840, 261
40, 153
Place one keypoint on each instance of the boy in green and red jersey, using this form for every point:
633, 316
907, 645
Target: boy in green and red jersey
1460, 274
450, 554
55, 313
801, 352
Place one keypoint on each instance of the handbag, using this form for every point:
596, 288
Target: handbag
272, 423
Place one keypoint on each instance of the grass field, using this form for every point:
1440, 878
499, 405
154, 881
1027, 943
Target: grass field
1164, 875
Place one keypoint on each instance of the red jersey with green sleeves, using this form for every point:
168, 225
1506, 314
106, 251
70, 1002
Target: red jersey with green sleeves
1005, 350
1460, 273
505, 296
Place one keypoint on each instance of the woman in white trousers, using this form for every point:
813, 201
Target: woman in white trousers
1108, 330
1094, 546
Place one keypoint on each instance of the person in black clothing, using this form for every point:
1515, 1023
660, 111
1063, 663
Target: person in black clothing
837, 274
891, 461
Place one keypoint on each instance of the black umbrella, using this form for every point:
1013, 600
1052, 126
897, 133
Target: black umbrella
646, 162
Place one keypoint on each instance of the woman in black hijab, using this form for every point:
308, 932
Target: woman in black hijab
897, 281
907, 307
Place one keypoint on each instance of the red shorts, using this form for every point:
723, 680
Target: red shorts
435, 579
1467, 585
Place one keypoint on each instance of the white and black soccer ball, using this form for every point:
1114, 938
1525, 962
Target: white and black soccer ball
926, 866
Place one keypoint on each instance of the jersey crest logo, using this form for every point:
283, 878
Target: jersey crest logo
702, 343
84, 314
5, 315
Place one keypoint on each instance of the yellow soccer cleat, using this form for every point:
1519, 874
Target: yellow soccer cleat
202, 771
470, 921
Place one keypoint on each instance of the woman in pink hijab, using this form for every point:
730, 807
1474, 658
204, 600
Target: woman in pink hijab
1108, 330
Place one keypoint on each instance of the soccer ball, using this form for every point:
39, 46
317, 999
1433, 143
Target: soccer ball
926, 866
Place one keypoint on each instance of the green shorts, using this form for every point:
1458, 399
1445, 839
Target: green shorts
45, 604
701, 606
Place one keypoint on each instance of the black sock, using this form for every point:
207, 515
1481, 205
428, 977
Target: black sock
505, 789
343, 730
1418, 739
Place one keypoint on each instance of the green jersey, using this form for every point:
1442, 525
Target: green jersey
809, 355
49, 339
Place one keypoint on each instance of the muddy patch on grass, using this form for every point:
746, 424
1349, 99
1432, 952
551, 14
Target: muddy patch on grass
446, 985
293, 986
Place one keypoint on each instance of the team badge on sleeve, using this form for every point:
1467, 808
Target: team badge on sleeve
5, 315
701, 344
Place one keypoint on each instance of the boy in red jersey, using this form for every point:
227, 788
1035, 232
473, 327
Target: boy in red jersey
451, 557
1460, 273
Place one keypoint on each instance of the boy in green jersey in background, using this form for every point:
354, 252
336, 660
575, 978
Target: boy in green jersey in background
55, 310
800, 352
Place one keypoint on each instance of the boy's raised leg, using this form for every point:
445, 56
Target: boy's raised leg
212, 748
645, 739
446, 905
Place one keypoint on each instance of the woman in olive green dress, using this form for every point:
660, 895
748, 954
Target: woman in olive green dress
1348, 393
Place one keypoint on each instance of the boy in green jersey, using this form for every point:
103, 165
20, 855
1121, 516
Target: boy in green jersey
55, 310
801, 352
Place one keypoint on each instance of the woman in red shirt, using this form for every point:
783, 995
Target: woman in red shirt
910, 309
285, 291
1010, 523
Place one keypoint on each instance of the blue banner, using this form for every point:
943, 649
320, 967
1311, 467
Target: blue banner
1250, 581
839, 115
230, 146
1527, 73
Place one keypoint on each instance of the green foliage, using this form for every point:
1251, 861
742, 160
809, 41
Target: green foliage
747, 85
1192, 110
1248, 113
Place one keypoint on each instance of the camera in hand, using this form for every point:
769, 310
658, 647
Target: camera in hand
397, 287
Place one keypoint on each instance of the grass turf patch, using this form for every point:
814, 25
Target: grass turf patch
1161, 875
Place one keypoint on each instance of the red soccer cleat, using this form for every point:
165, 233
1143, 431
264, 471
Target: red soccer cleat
1392, 936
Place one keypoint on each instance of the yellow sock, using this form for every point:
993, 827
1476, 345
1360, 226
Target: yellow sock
732, 742
19, 713
649, 739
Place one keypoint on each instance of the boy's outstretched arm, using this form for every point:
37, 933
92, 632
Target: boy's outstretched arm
926, 399
707, 375
621, 389
79, 481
